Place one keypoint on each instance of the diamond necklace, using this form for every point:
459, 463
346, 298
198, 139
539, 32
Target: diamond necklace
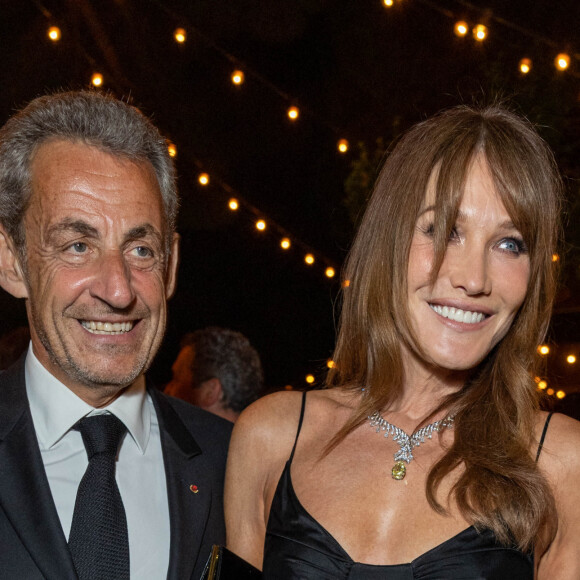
407, 443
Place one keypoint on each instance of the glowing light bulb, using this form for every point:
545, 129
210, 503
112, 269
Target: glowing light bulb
525, 66
330, 363
388, 3
309, 259
542, 385
345, 283
261, 225
550, 391
172, 150
343, 145
237, 77
461, 28
571, 359
560, 394
543, 349
555, 257
233, 204
293, 113
480, 32
180, 35
54, 33
310, 379
97, 79
203, 179
330, 272
285, 243
562, 61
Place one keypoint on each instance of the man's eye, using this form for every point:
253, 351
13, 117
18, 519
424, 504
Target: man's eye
142, 252
79, 248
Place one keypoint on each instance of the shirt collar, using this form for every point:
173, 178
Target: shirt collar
55, 408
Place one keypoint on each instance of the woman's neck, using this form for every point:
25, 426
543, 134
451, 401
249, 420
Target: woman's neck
425, 386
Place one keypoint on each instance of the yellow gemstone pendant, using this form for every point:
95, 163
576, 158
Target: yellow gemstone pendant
399, 470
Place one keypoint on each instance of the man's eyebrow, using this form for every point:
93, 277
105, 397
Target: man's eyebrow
143, 231
72, 225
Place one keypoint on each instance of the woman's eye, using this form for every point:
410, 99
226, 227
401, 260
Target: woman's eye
453, 235
513, 246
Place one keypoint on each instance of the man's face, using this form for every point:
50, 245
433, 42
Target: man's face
97, 277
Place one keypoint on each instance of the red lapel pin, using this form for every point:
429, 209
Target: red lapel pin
193, 488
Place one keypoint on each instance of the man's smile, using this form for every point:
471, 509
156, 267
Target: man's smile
107, 327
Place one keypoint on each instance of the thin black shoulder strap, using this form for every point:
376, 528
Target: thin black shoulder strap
543, 436
299, 425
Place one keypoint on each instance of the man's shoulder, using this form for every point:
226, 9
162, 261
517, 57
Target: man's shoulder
206, 428
197, 416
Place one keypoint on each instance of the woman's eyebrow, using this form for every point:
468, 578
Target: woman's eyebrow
507, 224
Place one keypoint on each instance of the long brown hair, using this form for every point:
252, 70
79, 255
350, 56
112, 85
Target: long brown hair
500, 486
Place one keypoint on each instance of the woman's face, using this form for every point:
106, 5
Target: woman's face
482, 281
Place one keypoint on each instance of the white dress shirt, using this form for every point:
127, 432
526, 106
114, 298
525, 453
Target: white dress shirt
140, 473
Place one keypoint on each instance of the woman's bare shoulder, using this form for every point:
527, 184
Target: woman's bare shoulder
561, 446
275, 417
560, 463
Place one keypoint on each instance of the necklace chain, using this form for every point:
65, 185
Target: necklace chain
407, 442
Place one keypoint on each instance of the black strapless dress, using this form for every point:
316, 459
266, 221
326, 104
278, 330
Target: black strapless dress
297, 547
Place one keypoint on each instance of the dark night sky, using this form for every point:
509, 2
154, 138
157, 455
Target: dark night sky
356, 70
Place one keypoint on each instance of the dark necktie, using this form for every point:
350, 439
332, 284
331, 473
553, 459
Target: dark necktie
98, 539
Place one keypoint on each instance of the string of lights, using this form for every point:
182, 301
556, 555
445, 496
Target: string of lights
241, 73
480, 30
286, 241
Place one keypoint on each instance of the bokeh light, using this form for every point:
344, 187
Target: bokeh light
237, 77
480, 32
54, 33
562, 61
97, 79
525, 66
461, 28
180, 35
293, 113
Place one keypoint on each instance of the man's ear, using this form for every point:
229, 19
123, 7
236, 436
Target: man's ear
172, 264
11, 275
211, 392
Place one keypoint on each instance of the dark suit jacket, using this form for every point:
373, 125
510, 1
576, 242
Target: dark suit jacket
32, 543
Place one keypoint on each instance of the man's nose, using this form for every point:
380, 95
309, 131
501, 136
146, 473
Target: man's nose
112, 280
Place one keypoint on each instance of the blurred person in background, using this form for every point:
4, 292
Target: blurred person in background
218, 370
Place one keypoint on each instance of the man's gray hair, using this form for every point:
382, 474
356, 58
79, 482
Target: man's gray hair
228, 356
89, 117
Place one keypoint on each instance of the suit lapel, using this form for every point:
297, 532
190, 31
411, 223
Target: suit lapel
188, 511
25, 494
